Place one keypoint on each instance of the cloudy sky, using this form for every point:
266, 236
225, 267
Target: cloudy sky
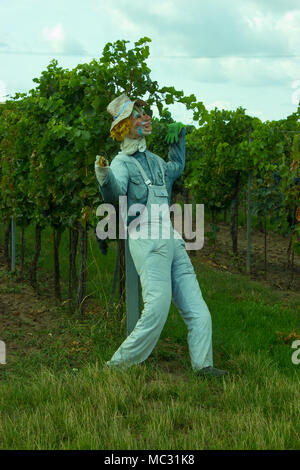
229, 53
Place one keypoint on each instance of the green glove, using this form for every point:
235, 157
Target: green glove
173, 132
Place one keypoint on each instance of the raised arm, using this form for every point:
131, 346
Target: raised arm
176, 163
112, 179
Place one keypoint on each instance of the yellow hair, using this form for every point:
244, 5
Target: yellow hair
121, 129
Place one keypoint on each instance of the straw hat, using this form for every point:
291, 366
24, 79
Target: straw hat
121, 107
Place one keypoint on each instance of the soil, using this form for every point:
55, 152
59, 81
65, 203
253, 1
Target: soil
279, 275
23, 313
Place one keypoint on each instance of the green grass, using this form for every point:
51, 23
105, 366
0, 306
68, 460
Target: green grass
53, 397
145, 409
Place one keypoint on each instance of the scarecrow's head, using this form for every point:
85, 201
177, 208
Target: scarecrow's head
129, 118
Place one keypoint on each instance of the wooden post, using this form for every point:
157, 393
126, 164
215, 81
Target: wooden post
249, 223
248, 263
13, 244
132, 291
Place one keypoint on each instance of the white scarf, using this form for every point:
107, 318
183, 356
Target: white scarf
130, 146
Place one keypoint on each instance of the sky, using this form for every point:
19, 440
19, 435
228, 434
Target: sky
229, 53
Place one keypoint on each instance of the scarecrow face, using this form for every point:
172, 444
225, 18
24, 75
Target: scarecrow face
140, 123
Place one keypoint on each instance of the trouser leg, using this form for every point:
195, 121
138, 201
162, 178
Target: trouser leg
152, 259
187, 296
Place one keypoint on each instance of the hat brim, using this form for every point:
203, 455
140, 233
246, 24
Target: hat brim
127, 111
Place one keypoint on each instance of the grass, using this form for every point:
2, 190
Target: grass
53, 394
146, 409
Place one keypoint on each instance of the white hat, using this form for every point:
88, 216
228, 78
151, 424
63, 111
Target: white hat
121, 107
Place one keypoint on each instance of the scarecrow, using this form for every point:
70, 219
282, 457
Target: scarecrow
162, 263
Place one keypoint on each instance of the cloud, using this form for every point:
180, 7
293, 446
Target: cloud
289, 26
203, 28
220, 104
55, 35
3, 92
247, 43
165, 10
254, 113
121, 21
232, 70
59, 43
234, 36
259, 72
295, 96
277, 5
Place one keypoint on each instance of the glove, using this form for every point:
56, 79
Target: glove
173, 132
101, 168
101, 161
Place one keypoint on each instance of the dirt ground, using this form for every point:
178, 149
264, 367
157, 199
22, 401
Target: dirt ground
278, 274
22, 313
22, 310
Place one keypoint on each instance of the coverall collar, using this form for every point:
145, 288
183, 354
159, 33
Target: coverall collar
130, 146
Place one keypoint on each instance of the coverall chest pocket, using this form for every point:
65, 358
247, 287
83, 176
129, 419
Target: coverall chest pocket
160, 192
137, 189
158, 195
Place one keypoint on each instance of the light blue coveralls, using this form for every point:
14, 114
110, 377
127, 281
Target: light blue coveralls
163, 265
